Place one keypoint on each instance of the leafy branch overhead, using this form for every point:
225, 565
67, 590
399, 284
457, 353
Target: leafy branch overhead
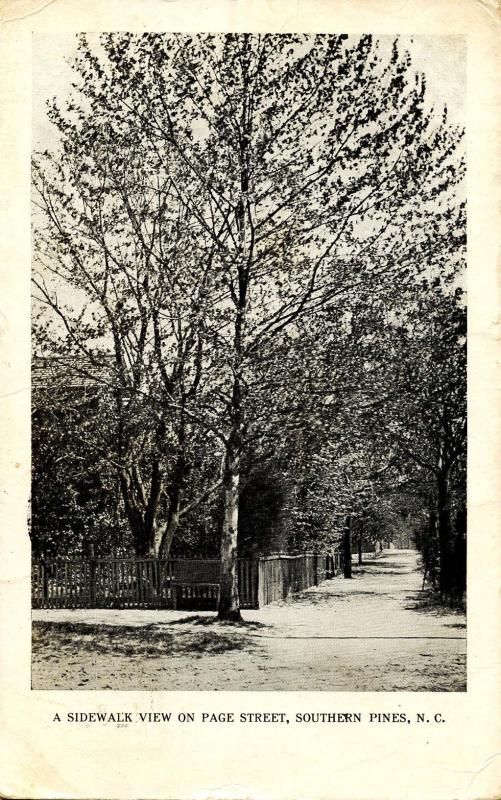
221, 239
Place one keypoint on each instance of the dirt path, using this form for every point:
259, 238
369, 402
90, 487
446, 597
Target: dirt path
371, 633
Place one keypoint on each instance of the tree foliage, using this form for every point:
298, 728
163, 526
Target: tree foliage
232, 213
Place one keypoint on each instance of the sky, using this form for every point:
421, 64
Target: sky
441, 58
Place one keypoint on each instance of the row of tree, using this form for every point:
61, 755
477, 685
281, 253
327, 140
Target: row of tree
247, 251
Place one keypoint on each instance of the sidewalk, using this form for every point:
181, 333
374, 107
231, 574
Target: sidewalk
364, 634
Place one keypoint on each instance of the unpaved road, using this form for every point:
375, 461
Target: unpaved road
371, 633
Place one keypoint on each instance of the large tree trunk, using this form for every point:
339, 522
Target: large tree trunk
458, 571
141, 511
229, 601
164, 536
140, 534
347, 549
444, 531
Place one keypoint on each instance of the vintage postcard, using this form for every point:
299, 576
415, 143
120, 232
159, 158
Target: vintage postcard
250, 414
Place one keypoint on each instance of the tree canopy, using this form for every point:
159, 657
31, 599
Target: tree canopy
226, 222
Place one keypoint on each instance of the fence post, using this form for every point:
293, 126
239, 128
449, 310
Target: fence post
254, 580
158, 582
169, 579
332, 570
92, 577
260, 583
45, 582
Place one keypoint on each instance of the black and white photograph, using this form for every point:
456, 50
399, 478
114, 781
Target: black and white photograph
248, 381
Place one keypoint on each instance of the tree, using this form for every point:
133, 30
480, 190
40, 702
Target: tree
74, 503
125, 280
425, 417
307, 169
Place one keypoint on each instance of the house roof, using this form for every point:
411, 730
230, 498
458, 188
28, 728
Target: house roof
49, 371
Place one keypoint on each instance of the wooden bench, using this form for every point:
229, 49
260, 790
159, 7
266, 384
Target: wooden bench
177, 587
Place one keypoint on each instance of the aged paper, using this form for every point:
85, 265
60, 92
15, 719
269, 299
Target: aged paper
456, 754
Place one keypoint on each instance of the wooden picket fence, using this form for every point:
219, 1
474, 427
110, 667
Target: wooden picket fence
283, 575
172, 583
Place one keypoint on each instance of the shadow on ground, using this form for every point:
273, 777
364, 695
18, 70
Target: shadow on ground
381, 568
149, 640
425, 602
208, 621
319, 598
